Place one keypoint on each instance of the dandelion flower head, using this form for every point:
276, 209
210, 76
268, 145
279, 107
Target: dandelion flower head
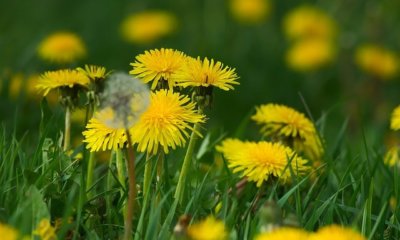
310, 54
206, 73
166, 122
8, 233
250, 11
395, 119
377, 61
100, 137
336, 232
94, 72
284, 233
279, 121
309, 22
148, 26
62, 48
61, 78
260, 160
208, 229
123, 101
45, 230
158, 65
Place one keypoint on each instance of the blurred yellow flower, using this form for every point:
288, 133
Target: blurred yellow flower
31, 84
291, 127
100, 137
78, 116
62, 48
15, 88
148, 26
208, 229
250, 11
310, 54
395, 119
206, 73
284, 233
61, 78
45, 231
8, 232
391, 157
260, 160
309, 22
377, 61
158, 65
165, 122
336, 232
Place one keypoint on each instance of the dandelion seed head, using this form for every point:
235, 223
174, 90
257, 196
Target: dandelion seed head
123, 101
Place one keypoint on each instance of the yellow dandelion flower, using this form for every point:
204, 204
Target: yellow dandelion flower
100, 137
148, 26
310, 54
395, 119
250, 11
284, 233
165, 123
260, 160
45, 231
62, 48
94, 72
208, 229
61, 78
206, 73
279, 121
377, 61
336, 232
309, 22
158, 65
8, 232
16, 85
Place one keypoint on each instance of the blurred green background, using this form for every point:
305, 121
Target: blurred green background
207, 28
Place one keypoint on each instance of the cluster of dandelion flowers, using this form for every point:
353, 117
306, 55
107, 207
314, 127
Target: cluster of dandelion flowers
284, 233
260, 160
208, 229
309, 22
395, 119
62, 48
61, 78
158, 65
377, 61
147, 27
250, 11
166, 122
206, 73
310, 54
336, 232
283, 123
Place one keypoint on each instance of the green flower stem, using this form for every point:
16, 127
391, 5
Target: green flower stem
120, 168
67, 132
180, 188
109, 188
132, 188
90, 173
147, 173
